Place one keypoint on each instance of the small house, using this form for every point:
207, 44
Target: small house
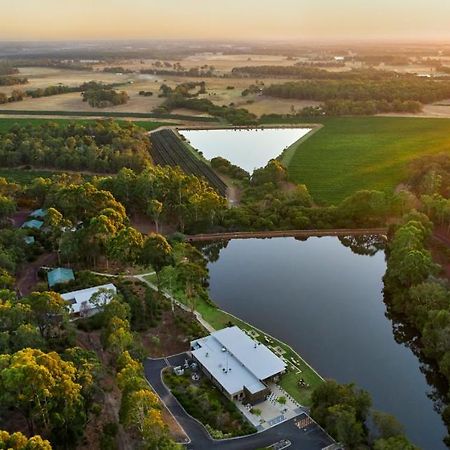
33, 224
60, 275
38, 213
81, 304
29, 240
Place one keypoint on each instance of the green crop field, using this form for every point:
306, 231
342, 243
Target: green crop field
355, 153
7, 123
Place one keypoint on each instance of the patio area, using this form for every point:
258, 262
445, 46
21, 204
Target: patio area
278, 408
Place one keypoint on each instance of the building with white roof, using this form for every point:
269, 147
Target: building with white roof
240, 366
80, 301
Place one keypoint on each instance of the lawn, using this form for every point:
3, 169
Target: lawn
219, 319
353, 153
7, 123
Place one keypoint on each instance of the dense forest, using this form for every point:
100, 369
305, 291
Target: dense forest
363, 97
37, 337
307, 72
402, 89
102, 146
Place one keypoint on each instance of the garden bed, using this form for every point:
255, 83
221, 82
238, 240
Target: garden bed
202, 400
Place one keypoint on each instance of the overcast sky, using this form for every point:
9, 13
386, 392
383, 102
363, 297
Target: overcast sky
219, 19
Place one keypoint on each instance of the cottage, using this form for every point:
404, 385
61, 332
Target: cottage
33, 224
60, 275
80, 301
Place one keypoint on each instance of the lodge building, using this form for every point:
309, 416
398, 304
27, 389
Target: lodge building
239, 366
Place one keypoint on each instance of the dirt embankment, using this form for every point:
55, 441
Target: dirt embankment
28, 276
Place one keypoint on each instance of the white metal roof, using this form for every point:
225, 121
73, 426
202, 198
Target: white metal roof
80, 300
235, 360
261, 361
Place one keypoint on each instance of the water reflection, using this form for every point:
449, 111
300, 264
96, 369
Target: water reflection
246, 148
324, 296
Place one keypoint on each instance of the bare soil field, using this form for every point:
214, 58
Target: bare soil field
268, 105
41, 77
222, 63
218, 90
74, 102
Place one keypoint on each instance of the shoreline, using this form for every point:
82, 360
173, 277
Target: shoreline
289, 381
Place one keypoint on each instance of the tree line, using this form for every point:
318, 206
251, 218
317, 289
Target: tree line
58, 89
11, 81
101, 146
235, 116
266, 205
364, 96
7, 68
182, 97
402, 89
345, 412
307, 72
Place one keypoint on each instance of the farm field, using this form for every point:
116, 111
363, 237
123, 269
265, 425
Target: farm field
132, 83
218, 89
351, 154
168, 149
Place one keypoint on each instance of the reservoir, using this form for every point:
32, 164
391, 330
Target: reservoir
249, 149
326, 301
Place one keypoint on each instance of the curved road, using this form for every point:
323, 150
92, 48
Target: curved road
311, 439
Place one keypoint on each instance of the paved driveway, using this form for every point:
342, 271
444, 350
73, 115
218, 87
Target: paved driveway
313, 438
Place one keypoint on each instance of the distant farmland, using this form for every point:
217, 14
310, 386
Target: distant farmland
350, 154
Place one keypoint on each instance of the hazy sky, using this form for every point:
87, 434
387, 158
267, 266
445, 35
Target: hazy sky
234, 19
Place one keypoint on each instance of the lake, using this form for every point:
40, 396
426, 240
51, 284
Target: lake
326, 302
249, 149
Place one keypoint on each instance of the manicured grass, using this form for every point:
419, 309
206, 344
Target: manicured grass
354, 153
219, 319
7, 123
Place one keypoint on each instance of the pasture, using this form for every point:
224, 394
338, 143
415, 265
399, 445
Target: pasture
216, 88
354, 153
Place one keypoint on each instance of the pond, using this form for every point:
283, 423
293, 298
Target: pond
249, 149
326, 302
